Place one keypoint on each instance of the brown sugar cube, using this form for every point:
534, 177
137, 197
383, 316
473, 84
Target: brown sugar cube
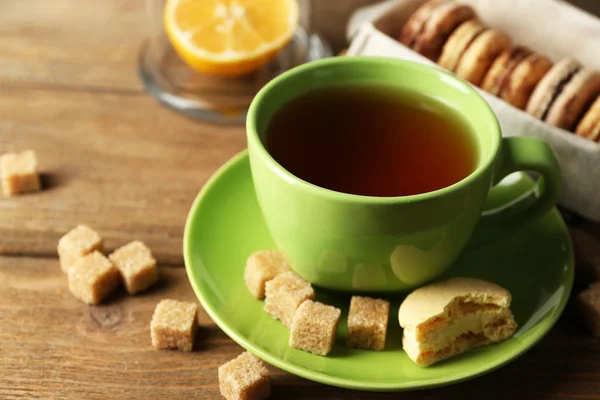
174, 325
588, 302
367, 323
314, 327
136, 265
261, 267
244, 378
92, 278
77, 243
284, 294
19, 173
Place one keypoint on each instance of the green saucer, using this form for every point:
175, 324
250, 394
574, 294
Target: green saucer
225, 225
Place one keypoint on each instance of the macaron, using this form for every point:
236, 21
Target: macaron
480, 54
514, 75
589, 126
413, 27
431, 25
447, 318
563, 94
502, 67
458, 42
547, 90
524, 79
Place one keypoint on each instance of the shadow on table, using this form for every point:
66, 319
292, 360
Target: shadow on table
49, 181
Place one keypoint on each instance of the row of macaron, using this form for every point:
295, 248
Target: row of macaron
564, 94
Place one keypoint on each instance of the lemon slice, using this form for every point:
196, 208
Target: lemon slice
229, 37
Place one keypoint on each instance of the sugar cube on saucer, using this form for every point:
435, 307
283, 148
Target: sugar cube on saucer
261, 267
314, 327
284, 294
367, 323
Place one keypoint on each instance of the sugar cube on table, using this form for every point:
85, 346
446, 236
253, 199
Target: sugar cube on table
244, 378
174, 325
314, 327
261, 267
136, 265
19, 173
77, 243
367, 323
92, 278
588, 302
284, 294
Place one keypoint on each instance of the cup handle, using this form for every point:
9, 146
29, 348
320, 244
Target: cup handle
521, 154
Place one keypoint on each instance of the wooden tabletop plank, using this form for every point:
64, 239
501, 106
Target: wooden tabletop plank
65, 43
54, 346
122, 164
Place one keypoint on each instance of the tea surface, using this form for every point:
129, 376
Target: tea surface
372, 141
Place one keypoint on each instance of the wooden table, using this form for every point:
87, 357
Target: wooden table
114, 159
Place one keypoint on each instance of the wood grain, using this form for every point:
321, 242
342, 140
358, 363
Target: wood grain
87, 44
54, 347
122, 164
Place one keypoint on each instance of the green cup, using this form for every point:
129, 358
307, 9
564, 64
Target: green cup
368, 244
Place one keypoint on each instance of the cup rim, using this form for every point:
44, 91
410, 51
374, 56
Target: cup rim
254, 139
